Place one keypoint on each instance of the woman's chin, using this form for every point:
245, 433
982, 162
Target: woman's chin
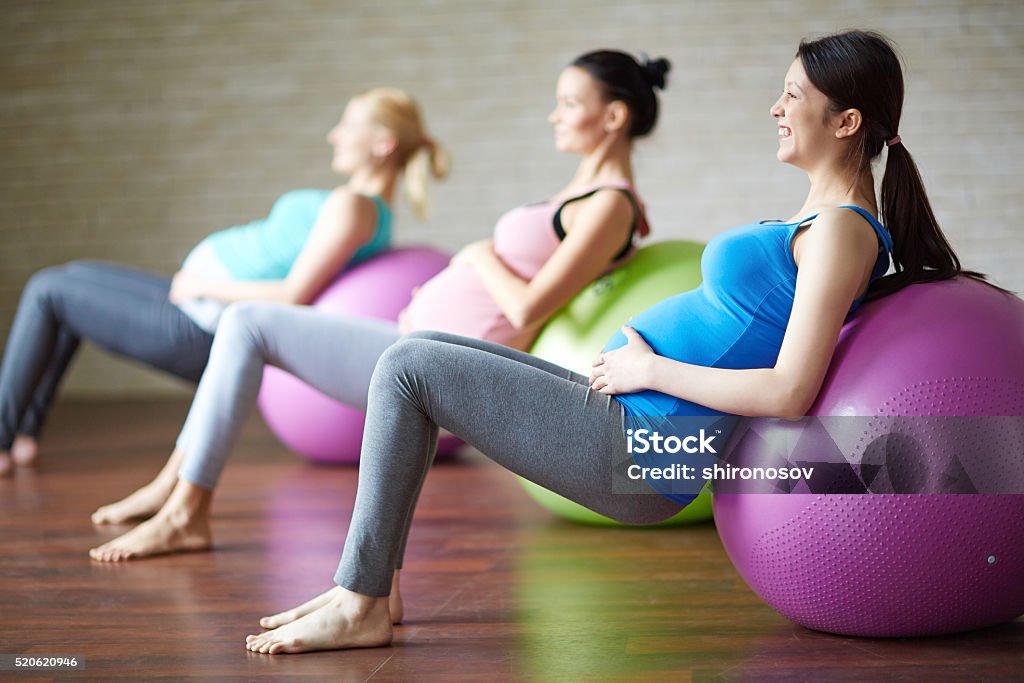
786, 156
341, 167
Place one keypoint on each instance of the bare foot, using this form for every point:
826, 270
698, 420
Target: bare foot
348, 620
158, 536
288, 616
24, 450
6, 464
146, 501
183, 524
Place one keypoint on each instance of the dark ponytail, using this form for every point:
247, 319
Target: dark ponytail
920, 251
860, 70
625, 79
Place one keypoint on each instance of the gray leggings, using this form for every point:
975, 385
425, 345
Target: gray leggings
121, 310
533, 417
334, 353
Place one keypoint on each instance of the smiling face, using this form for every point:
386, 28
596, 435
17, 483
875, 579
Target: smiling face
805, 130
581, 116
357, 139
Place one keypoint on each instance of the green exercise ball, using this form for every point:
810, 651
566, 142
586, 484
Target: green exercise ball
577, 333
697, 511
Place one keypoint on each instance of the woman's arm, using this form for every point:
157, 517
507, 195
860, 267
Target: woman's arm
598, 229
346, 222
835, 259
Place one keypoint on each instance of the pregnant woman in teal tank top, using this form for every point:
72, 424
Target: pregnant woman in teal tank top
168, 324
756, 340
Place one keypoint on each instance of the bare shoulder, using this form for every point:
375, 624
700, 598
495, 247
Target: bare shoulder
610, 199
836, 231
845, 225
344, 198
347, 208
606, 206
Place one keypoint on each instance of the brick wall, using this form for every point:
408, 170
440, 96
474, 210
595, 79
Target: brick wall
130, 129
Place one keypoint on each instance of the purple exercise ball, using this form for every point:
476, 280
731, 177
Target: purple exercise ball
899, 564
318, 427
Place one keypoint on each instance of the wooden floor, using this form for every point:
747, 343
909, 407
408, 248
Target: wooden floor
495, 588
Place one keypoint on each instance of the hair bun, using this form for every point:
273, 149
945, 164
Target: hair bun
655, 71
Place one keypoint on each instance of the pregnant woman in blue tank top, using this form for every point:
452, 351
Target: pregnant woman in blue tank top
168, 324
755, 339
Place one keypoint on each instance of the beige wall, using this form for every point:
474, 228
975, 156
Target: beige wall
130, 129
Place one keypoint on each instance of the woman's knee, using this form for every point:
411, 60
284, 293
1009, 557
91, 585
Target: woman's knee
243, 323
408, 365
45, 285
433, 335
53, 282
406, 354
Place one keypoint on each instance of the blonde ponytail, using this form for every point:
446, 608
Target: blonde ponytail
430, 160
416, 152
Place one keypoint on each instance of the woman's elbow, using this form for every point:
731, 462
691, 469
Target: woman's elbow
294, 296
521, 317
785, 399
797, 401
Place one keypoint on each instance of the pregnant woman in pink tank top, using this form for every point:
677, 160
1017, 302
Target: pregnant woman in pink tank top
500, 289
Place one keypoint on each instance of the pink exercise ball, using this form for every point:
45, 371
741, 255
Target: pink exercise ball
887, 562
319, 427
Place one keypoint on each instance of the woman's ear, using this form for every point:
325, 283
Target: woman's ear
616, 116
384, 145
848, 123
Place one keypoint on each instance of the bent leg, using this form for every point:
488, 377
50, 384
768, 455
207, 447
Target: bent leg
336, 354
139, 321
495, 349
38, 347
549, 428
121, 310
332, 352
540, 424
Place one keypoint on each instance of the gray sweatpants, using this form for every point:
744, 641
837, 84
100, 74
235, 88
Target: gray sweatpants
334, 353
535, 418
122, 310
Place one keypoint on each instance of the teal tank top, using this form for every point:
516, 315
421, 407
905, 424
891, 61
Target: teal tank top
266, 249
737, 317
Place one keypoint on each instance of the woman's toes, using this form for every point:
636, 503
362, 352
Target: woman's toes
272, 621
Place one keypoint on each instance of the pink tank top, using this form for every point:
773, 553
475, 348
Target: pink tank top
456, 300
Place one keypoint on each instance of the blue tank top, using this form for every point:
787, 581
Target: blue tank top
737, 316
266, 249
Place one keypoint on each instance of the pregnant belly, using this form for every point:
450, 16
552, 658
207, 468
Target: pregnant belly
454, 301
